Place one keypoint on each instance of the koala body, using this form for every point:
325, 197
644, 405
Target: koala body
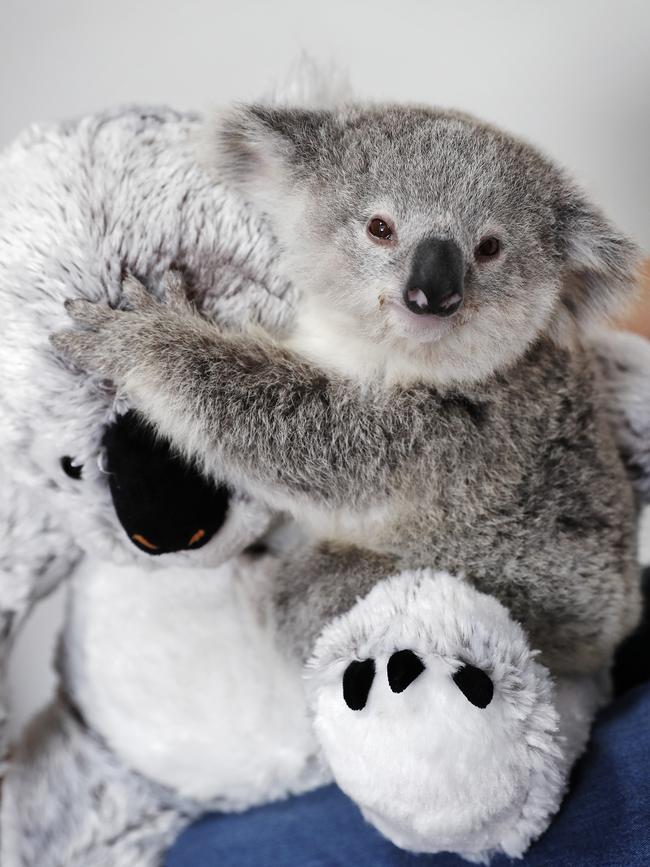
436, 403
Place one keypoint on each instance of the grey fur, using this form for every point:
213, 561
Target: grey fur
625, 361
502, 467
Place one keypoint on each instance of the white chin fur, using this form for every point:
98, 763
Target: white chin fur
430, 770
421, 328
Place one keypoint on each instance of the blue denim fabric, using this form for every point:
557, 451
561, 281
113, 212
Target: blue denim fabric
604, 821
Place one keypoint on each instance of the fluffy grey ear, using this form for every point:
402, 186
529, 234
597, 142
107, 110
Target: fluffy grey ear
264, 150
599, 262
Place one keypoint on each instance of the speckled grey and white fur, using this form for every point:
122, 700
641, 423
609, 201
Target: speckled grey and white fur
72, 801
481, 446
80, 203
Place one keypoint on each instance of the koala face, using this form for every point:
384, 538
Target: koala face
427, 233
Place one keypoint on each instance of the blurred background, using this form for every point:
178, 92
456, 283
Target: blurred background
573, 76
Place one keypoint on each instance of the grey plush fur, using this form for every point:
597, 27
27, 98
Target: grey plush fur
82, 202
625, 360
481, 447
71, 801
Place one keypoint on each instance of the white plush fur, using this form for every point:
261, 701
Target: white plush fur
181, 673
429, 769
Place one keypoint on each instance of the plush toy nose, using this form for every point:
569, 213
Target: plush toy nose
436, 282
163, 503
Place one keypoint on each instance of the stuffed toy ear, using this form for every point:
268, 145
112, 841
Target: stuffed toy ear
265, 151
599, 262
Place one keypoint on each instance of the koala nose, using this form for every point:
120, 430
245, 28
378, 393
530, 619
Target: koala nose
435, 284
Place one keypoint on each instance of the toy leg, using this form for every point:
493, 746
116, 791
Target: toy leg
69, 802
603, 820
439, 722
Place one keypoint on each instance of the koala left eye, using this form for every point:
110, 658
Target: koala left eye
70, 468
475, 684
381, 230
488, 248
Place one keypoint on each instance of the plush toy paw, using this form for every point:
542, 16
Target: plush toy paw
112, 342
437, 720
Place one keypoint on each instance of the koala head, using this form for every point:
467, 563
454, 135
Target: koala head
425, 235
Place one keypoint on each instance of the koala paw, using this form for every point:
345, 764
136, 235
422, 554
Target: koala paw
110, 341
437, 720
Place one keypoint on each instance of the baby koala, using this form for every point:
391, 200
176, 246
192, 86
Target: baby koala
436, 404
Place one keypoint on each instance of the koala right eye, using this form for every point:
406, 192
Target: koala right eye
488, 248
381, 230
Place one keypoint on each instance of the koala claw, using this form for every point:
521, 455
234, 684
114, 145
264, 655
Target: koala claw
436, 718
87, 313
95, 346
137, 296
176, 292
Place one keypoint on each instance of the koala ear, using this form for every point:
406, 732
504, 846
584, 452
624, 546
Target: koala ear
264, 151
599, 262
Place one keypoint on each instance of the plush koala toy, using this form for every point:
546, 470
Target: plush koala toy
166, 652
179, 689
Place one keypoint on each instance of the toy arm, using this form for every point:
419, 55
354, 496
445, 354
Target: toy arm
270, 420
35, 555
624, 360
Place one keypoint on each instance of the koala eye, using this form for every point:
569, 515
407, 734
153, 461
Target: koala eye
488, 248
70, 468
475, 685
380, 230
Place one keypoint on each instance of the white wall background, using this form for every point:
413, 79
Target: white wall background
571, 75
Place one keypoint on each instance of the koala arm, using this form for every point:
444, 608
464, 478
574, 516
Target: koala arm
256, 413
624, 361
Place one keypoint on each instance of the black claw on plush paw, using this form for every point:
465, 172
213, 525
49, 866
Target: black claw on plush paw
475, 685
402, 669
357, 680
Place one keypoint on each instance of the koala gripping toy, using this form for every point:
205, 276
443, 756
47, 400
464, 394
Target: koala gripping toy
183, 680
